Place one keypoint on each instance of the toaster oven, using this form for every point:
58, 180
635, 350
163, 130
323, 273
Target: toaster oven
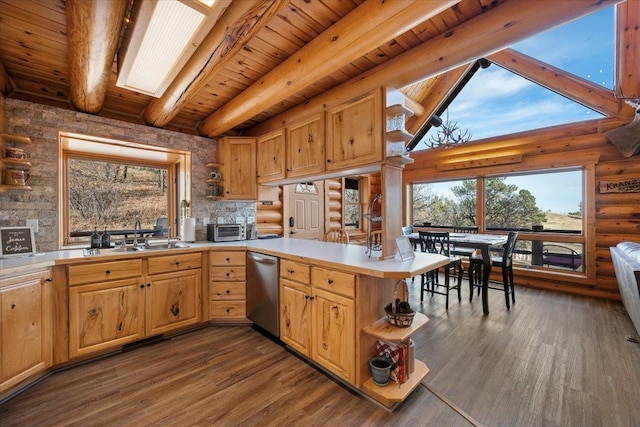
225, 232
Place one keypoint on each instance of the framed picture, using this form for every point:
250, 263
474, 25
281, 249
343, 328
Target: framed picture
405, 248
16, 241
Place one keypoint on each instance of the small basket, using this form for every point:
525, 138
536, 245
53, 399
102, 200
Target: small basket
402, 320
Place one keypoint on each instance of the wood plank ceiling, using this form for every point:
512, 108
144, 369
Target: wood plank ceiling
265, 57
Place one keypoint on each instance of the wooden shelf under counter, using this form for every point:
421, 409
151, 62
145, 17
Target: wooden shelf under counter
393, 393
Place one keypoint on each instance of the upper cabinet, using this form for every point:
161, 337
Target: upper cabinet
238, 155
354, 133
271, 156
305, 154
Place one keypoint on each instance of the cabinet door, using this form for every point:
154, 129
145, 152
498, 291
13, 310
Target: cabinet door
305, 154
355, 133
173, 300
271, 158
239, 157
295, 316
334, 333
105, 315
25, 328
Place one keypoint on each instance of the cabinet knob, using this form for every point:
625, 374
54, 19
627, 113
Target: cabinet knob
142, 286
228, 259
148, 285
228, 310
108, 272
330, 281
177, 262
228, 291
49, 279
291, 271
312, 298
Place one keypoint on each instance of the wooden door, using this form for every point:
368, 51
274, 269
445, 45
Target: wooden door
240, 176
354, 135
105, 315
295, 316
25, 328
334, 333
172, 301
305, 154
271, 156
305, 204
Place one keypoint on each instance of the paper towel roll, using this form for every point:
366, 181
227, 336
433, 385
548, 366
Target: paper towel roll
188, 232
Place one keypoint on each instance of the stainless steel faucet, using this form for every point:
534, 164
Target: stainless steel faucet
137, 228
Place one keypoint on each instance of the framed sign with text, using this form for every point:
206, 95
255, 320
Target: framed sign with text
405, 248
16, 241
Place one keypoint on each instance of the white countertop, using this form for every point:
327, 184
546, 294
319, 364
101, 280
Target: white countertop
336, 255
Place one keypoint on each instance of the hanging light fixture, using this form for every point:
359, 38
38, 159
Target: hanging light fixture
449, 135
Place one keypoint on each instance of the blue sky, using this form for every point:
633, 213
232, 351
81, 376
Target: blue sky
497, 102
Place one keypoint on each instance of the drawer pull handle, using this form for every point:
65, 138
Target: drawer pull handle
228, 259
177, 262
311, 298
49, 279
148, 285
330, 281
142, 286
228, 310
291, 271
228, 291
108, 272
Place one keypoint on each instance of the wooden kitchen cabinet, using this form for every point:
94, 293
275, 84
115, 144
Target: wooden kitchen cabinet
117, 302
317, 322
295, 306
173, 292
271, 156
354, 133
227, 275
106, 305
25, 327
305, 147
105, 315
238, 155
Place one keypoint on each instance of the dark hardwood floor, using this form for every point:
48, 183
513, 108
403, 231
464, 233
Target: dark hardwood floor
553, 359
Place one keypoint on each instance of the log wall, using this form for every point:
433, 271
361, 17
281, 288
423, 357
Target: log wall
333, 204
610, 218
269, 219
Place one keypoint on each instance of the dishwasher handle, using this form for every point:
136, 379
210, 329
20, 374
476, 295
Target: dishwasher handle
262, 260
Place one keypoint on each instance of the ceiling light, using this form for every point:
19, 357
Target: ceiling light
448, 136
165, 35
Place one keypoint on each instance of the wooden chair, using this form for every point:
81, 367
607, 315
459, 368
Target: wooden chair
466, 252
336, 236
438, 243
505, 262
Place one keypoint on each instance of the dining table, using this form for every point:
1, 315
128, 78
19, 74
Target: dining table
483, 242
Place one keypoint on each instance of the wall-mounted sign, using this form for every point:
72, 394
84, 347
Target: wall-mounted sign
631, 185
16, 241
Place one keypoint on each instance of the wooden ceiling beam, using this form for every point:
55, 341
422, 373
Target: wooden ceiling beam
483, 35
6, 85
93, 29
435, 95
627, 84
576, 88
238, 24
367, 27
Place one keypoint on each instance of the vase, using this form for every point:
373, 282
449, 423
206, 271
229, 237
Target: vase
380, 369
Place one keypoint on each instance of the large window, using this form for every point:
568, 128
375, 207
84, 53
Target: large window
108, 185
546, 201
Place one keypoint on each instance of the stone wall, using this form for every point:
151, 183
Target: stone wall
42, 123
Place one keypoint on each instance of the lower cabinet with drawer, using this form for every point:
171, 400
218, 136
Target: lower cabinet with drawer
227, 285
317, 315
117, 302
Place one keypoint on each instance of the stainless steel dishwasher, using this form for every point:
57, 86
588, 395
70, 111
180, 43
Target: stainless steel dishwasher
262, 291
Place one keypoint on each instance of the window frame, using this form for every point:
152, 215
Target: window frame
87, 147
586, 237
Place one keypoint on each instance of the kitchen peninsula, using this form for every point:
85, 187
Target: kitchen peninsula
350, 287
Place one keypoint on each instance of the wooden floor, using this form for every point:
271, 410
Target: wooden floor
553, 359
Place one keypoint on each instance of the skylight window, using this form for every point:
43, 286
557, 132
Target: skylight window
165, 35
